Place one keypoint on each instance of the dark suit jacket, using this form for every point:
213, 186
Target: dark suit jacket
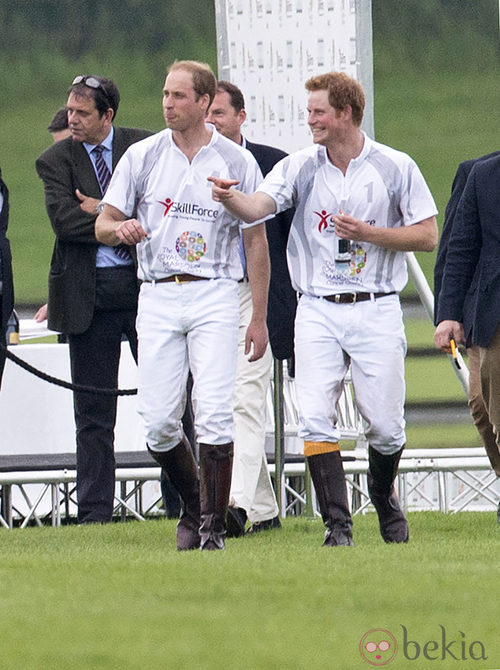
471, 274
7, 298
457, 188
282, 297
63, 168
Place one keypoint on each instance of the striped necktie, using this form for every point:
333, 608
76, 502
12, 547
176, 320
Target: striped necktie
103, 174
104, 177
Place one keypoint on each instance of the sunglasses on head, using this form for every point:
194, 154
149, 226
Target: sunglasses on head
89, 81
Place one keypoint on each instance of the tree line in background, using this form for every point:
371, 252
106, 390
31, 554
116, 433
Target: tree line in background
43, 40
76, 28
411, 34
434, 35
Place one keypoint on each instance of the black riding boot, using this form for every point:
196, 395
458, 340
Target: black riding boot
180, 466
216, 463
327, 473
382, 471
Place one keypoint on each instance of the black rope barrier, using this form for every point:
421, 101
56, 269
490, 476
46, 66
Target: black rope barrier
60, 382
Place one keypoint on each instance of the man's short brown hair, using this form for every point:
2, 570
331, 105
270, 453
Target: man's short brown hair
204, 81
105, 96
236, 98
342, 91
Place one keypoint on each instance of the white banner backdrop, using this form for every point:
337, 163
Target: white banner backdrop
269, 48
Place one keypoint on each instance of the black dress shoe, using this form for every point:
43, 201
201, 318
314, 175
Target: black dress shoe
235, 521
498, 513
269, 524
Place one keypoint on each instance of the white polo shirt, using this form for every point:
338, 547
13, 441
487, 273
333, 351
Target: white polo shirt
188, 232
382, 186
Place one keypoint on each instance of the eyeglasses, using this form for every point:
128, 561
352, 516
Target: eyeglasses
383, 645
89, 81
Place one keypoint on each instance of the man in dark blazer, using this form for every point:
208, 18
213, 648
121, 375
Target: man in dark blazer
457, 189
476, 403
92, 289
6, 283
252, 496
468, 303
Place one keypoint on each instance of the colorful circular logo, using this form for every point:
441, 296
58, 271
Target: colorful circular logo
190, 246
358, 261
378, 647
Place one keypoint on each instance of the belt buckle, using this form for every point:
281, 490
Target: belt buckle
339, 296
180, 281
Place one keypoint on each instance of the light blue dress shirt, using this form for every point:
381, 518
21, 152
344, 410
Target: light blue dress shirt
106, 256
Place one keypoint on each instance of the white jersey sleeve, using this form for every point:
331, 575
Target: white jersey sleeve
280, 183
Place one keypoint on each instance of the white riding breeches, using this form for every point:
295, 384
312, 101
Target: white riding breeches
181, 327
370, 337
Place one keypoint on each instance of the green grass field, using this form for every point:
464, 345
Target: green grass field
440, 119
433, 378
121, 597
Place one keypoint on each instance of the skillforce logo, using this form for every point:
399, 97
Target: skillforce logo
325, 223
324, 219
171, 206
379, 647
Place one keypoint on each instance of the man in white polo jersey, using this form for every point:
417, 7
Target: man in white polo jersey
188, 312
359, 205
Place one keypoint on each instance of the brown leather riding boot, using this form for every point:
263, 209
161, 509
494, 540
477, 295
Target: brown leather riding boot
382, 471
216, 462
180, 466
327, 473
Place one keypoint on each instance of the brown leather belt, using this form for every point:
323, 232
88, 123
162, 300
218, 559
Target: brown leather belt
352, 298
178, 279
